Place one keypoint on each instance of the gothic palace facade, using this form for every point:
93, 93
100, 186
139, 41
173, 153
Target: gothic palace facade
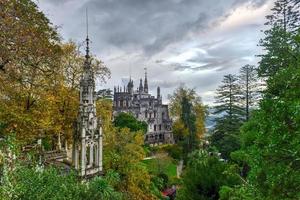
145, 107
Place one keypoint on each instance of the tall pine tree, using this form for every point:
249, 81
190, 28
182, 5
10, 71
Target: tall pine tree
278, 43
250, 88
228, 100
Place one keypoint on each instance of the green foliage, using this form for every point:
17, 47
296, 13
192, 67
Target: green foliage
278, 43
189, 114
225, 134
238, 193
99, 188
188, 117
129, 121
25, 183
123, 153
204, 176
274, 150
162, 165
270, 140
173, 150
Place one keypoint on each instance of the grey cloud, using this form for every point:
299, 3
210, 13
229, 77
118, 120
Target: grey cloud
164, 84
140, 33
152, 25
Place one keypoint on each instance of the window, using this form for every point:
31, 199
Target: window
163, 115
146, 114
155, 127
159, 127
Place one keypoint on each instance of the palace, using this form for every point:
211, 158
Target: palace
145, 107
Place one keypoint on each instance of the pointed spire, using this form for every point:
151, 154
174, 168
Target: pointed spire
146, 81
141, 85
87, 56
130, 73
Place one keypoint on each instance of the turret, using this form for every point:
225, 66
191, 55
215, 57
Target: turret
141, 86
158, 92
146, 82
130, 86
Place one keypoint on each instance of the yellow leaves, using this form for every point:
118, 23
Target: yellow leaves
179, 129
197, 108
200, 111
104, 112
138, 182
124, 153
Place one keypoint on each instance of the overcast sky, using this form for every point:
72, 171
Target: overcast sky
191, 42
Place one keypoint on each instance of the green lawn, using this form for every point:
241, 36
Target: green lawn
167, 167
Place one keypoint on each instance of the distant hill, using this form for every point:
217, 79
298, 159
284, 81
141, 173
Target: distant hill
210, 119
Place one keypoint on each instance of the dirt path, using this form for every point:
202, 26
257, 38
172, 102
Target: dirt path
179, 168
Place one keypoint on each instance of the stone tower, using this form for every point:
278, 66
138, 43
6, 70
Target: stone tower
146, 82
87, 146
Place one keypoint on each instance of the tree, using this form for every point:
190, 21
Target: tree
270, 140
123, 154
204, 175
250, 88
29, 57
285, 14
230, 116
104, 112
278, 44
127, 120
189, 120
189, 114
